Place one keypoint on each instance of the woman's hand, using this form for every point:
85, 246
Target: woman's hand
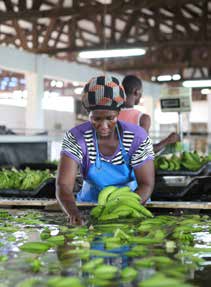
75, 219
173, 138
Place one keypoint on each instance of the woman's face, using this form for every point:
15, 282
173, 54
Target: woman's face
104, 121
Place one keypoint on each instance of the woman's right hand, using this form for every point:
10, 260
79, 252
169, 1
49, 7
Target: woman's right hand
75, 219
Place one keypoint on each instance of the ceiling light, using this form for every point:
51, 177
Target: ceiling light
112, 53
206, 91
164, 78
197, 83
59, 84
53, 83
105, 2
176, 77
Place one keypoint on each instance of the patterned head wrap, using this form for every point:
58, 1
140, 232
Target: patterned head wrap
103, 93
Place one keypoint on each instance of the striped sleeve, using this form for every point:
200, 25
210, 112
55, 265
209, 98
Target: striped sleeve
71, 148
143, 153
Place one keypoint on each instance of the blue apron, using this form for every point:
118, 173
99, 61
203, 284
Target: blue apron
102, 174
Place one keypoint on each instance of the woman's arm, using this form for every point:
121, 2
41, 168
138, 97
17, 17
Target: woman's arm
170, 139
65, 182
145, 176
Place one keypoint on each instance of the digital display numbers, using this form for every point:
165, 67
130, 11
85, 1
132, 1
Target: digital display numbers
170, 103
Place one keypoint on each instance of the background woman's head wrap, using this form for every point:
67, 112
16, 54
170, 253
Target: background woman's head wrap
103, 93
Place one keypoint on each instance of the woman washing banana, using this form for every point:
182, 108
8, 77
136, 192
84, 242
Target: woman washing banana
109, 152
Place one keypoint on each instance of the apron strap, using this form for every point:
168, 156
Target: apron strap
124, 153
98, 161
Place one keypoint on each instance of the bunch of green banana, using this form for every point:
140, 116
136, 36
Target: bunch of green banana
189, 160
22, 179
119, 203
164, 163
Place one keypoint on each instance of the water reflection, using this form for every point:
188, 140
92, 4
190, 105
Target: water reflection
154, 248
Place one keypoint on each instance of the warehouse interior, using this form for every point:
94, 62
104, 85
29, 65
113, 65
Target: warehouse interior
49, 49
37, 34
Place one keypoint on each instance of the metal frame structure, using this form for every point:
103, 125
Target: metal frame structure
175, 34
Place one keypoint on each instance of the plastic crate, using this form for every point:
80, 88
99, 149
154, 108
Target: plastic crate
46, 189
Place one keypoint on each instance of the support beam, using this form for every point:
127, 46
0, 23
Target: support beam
36, 4
35, 35
86, 10
51, 27
22, 5
19, 31
60, 28
47, 13
133, 18
34, 117
158, 44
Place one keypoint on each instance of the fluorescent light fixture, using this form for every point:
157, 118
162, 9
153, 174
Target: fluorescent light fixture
197, 83
206, 91
112, 53
59, 84
105, 2
53, 83
164, 78
176, 77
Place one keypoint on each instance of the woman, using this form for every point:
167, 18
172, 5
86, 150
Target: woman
108, 151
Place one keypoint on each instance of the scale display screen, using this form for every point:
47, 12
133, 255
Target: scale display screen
176, 99
170, 103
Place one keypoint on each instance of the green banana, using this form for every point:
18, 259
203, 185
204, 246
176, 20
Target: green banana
191, 165
171, 165
110, 206
195, 156
105, 271
145, 211
104, 193
126, 198
91, 265
123, 213
119, 193
131, 203
164, 164
35, 247
105, 217
96, 211
127, 209
129, 274
136, 206
176, 164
